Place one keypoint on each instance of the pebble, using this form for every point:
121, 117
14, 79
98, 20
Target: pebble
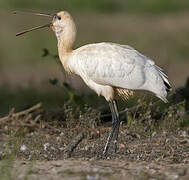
45, 146
23, 148
92, 177
154, 133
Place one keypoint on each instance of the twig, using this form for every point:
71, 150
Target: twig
73, 144
123, 111
131, 109
134, 108
16, 115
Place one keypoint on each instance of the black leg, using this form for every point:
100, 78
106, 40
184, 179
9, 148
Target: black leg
115, 128
111, 104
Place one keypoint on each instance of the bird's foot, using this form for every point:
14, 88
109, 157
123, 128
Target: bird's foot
115, 145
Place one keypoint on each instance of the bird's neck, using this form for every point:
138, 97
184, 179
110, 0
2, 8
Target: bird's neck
65, 45
64, 52
66, 39
63, 49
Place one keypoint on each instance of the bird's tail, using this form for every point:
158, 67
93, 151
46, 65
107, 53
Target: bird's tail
164, 99
167, 85
157, 82
164, 78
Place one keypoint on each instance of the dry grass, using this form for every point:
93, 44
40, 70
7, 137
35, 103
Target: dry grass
154, 134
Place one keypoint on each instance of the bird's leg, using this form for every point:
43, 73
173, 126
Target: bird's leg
117, 126
111, 104
114, 125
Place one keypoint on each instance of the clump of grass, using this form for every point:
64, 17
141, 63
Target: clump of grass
156, 116
86, 120
90, 118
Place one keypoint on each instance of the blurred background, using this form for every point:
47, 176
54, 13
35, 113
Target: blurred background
29, 68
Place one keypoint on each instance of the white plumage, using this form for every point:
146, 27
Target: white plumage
111, 70
118, 66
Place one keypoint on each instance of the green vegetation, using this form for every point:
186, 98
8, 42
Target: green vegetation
131, 6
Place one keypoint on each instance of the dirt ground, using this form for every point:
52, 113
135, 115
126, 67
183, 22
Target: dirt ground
157, 156
91, 169
31, 148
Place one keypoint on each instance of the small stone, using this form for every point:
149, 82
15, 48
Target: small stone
58, 139
167, 140
147, 167
23, 148
86, 148
2, 154
183, 134
61, 134
153, 134
92, 177
61, 148
45, 146
95, 169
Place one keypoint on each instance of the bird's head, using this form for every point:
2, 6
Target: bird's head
60, 21
63, 26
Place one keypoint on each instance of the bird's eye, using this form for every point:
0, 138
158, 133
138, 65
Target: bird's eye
59, 18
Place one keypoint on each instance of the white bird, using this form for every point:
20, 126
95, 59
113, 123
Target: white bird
111, 70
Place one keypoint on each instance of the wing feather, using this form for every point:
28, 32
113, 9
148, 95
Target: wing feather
120, 66
113, 64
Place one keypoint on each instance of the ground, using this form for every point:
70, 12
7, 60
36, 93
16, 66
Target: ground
159, 156
102, 169
38, 144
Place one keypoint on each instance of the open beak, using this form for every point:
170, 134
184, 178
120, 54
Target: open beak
38, 27
33, 13
35, 28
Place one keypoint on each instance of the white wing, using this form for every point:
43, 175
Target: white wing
120, 66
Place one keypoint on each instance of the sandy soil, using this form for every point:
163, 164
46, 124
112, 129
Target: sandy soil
101, 170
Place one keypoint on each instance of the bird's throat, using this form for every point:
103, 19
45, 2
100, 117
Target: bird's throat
64, 48
64, 53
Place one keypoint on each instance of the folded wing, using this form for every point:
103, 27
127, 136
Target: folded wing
121, 66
